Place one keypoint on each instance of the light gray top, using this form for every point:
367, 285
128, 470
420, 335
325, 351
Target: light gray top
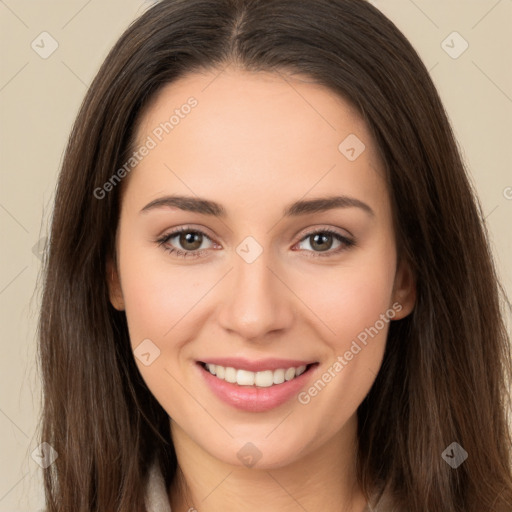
156, 499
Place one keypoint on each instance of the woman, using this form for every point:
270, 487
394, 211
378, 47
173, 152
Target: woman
268, 283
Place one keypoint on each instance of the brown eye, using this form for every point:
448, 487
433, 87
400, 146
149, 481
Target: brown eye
190, 240
321, 241
185, 243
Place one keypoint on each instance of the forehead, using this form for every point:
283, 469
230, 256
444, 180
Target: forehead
260, 103
249, 131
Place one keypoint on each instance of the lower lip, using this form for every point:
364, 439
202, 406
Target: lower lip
252, 398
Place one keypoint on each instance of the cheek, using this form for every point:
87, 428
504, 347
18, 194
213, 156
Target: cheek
157, 295
160, 301
354, 303
359, 313
349, 298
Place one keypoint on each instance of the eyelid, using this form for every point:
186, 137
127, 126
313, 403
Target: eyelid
187, 227
325, 228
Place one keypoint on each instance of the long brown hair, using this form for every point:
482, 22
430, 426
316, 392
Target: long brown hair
447, 367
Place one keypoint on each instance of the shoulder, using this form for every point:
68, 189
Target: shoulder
156, 498
385, 503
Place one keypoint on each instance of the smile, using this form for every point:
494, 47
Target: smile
258, 387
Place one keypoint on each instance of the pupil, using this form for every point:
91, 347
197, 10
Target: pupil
190, 240
324, 239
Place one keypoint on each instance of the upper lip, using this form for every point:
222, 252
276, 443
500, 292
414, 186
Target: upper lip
256, 366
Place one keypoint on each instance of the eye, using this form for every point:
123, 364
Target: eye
321, 241
190, 240
186, 242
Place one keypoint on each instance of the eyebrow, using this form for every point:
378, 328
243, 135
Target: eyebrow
302, 207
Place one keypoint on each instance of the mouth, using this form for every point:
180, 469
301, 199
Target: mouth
264, 378
274, 382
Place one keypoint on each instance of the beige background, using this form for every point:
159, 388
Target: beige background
39, 99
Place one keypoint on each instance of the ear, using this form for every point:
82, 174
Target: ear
404, 289
114, 286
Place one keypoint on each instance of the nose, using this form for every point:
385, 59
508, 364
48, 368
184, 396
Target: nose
257, 300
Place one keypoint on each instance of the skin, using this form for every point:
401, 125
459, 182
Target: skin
255, 143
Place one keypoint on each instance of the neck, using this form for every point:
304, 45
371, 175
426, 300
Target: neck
321, 479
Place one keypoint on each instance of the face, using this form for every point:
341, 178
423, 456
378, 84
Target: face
286, 259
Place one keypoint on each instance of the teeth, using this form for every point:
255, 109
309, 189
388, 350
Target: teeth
230, 375
263, 379
289, 374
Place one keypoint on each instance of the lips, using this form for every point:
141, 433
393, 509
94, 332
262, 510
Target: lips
254, 398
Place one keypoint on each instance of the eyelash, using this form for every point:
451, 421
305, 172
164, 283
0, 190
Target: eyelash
162, 241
